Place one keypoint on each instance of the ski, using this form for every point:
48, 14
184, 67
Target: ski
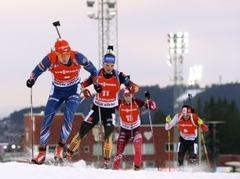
46, 162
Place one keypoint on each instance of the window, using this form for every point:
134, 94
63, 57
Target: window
147, 149
97, 149
171, 147
129, 150
86, 149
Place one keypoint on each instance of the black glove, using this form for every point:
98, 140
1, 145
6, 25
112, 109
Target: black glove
30, 83
147, 95
98, 88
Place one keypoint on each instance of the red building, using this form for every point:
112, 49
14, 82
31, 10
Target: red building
154, 150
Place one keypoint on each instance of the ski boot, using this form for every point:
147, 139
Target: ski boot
40, 159
58, 156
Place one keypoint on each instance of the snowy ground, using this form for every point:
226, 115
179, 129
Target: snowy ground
80, 170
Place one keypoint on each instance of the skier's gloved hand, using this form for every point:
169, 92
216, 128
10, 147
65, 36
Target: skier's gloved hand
152, 105
133, 88
98, 88
147, 94
168, 119
30, 83
96, 85
200, 121
86, 93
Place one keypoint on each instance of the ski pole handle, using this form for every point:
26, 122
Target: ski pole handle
56, 24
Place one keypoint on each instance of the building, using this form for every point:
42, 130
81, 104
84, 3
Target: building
155, 144
155, 154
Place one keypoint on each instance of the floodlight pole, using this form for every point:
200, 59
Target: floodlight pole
178, 45
107, 26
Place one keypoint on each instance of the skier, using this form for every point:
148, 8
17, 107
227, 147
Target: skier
65, 65
129, 115
188, 124
107, 86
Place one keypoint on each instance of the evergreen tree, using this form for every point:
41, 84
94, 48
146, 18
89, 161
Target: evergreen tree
225, 116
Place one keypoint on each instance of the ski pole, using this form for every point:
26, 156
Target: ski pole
33, 125
190, 99
169, 160
131, 116
100, 129
100, 134
56, 24
82, 100
205, 148
201, 133
147, 95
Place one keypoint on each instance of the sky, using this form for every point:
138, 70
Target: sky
80, 170
27, 35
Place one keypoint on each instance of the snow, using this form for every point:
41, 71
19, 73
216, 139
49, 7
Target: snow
80, 170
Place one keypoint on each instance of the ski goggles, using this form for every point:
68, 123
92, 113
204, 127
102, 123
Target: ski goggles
63, 54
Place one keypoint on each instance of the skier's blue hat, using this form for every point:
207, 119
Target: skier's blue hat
109, 58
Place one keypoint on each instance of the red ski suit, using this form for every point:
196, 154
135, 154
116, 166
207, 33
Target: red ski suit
129, 115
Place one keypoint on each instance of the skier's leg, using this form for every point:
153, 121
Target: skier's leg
121, 143
107, 146
72, 103
50, 110
108, 119
88, 123
182, 148
193, 148
137, 143
71, 107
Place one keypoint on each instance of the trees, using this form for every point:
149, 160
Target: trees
227, 119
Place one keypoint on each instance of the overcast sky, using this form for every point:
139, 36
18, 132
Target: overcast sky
27, 35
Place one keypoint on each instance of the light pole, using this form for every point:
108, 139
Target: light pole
177, 46
107, 26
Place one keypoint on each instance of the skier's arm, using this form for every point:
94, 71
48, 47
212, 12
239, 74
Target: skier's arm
37, 71
125, 79
40, 68
172, 122
87, 82
87, 64
203, 126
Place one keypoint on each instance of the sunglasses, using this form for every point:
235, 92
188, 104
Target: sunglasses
63, 54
